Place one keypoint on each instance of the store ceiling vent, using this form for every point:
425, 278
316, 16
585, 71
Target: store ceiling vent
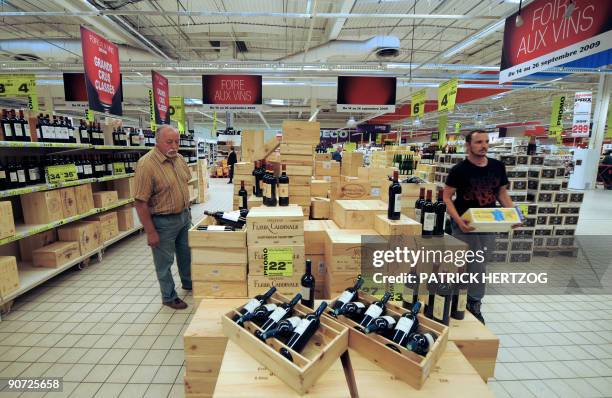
241, 47
380, 46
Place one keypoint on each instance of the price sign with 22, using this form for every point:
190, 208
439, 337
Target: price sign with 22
278, 261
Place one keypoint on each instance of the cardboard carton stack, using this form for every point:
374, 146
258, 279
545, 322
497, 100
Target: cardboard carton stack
243, 171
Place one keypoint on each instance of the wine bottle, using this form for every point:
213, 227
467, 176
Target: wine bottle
21, 174
243, 195
280, 312
232, 219
382, 325
215, 228
255, 302
347, 296
4, 178
265, 192
25, 127
40, 128
308, 286
283, 189
421, 343
283, 329
442, 303
394, 208
353, 310
70, 127
418, 205
256, 186
410, 295
406, 325
428, 216
259, 315
303, 332
272, 181
375, 310
7, 126
440, 212
34, 174
459, 301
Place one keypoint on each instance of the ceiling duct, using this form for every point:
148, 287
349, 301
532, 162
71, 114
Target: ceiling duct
64, 51
380, 46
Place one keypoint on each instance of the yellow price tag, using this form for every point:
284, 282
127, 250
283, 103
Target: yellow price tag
442, 122
447, 93
177, 112
61, 173
278, 261
20, 86
457, 127
118, 168
89, 115
379, 138
524, 208
417, 103
556, 113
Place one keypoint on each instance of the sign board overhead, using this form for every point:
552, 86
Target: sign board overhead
366, 94
161, 94
551, 36
231, 92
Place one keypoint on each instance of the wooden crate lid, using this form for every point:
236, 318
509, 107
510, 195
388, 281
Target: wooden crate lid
352, 236
362, 205
286, 213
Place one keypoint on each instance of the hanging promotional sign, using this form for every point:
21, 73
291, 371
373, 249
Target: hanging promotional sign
366, 94
152, 111
231, 92
457, 127
550, 35
417, 103
177, 112
102, 74
161, 94
75, 90
447, 94
20, 86
582, 114
442, 123
556, 113
609, 122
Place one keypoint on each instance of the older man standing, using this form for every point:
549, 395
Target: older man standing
162, 204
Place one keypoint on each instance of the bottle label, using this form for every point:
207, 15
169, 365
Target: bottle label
2, 174
398, 203
7, 130
251, 305
80, 169
405, 324
429, 339
278, 314
462, 300
374, 311
233, 216
305, 293
345, 297
283, 190
13, 176
390, 320
417, 215
267, 189
215, 228
270, 307
294, 321
21, 175
87, 169
429, 221
327, 165
438, 310
26, 129
301, 328
33, 174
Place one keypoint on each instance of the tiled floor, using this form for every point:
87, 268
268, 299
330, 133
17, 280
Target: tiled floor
104, 330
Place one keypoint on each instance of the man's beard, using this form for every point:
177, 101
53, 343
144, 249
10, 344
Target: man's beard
171, 153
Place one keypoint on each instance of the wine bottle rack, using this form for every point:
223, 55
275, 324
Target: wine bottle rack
402, 363
324, 348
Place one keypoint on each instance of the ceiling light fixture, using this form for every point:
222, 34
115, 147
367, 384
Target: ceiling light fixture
519, 20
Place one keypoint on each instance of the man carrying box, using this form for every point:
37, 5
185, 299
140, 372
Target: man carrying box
479, 182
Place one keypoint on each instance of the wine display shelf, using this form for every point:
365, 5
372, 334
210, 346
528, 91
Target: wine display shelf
25, 230
62, 145
30, 276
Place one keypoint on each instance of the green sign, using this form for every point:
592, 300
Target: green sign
20, 86
177, 112
61, 173
278, 261
447, 93
118, 168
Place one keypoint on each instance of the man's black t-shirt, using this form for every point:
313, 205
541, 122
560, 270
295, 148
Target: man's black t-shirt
476, 186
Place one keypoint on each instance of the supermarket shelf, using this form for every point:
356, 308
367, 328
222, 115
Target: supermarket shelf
30, 276
187, 148
56, 145
122, 148
49, 187
25, 230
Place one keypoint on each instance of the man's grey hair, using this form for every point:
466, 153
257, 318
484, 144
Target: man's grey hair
161, 129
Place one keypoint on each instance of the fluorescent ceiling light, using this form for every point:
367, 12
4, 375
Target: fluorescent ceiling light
275, 101
474, 38
193, 101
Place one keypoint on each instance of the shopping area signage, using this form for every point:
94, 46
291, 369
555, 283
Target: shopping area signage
102, 74
161, 98
582, 114
550, 35
366, 94
75, 90
363, 133
20, 86
231, 92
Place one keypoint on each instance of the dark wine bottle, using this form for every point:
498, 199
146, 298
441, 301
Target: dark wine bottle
394, 209
25, 127
283, 189
382, 325
272, 181
255, 302
375, 310
459, 301
4, 178
442, 303
440, 211
418, 205
7, 126
265, 188
406, 325
410, 295
347, 296
243, 195
231, 219
308, 286
259, 175
283, 329
421, 343
280, 312
260, 314
353, 310
428, 216
303, 332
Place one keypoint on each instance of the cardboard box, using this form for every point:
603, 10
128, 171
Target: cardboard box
125, 218
296, 149
287, 286
56, 254
327, 168
315, 235
403, 226
109, 225
87, 233
84, 198
29, 244
343, 248
124, 188
320, 208
355, 190
275, 225
42, 207
357, 214
105, 198
7, 226
259, 258
300, 132
492, 219
69, 205
9, 277
320, 188
224, 289
219, 272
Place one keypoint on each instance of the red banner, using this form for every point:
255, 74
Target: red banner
75, 89
231, 92
102, 74
161, 98
551, 35
366, 94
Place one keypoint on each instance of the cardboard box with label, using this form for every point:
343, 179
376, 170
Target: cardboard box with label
492, 219
274, 259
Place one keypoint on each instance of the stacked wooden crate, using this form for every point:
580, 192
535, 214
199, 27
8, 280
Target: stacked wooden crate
315, 233
9, 278
377, 177
296, 153
218, 261
351, 162
243, 171
275, 237
320, 205
410, 194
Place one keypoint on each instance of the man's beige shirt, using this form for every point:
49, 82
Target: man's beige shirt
162, 182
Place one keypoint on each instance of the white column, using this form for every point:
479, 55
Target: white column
599, 128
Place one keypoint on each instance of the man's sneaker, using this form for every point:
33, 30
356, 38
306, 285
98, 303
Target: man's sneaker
474, 307
177, 304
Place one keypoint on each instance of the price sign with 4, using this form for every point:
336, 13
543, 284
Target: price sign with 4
278, 261
447, 93
20, 86
61, 173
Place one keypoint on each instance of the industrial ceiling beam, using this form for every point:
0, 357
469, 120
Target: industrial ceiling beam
334, 26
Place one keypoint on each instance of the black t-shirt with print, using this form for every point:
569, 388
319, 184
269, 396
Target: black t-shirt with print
477, 187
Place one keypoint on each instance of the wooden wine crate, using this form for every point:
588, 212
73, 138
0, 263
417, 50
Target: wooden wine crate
109, 224
300, 132
219, 272
41, 207
218, 255
258, 258
287, 285
252, 145
55, 254
84, 198
327, 168
7, 226
243, 168
320, 188
315, 235
87, 233
249, 179
354, 189
215, 239
216, 289
283, 225
300, 180
9, 277
125, 218
300, 160
298, 170
299, 190
343, 248
29, 244
247, 186
351, 168
296, 149
320, 208
357, 214
105, 198
124, 187
254, 201
323, 349
319, 157
399, 361
403, 226
303, 201
69, 204
330, 179
375, 174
